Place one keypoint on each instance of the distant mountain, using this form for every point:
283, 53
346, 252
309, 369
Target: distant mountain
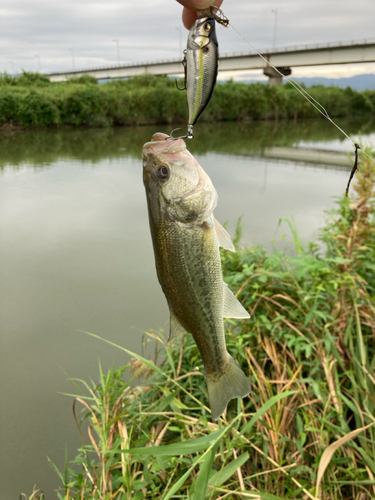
357, 82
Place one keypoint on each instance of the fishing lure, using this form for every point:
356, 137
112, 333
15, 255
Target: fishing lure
354, 169
200, 62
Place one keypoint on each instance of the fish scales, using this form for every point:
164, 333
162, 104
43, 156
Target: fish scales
190, 274
186, 239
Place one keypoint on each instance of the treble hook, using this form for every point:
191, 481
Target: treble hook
221, 18
179, 88
189, 135
184, 64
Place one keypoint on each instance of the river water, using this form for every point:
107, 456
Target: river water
76, 255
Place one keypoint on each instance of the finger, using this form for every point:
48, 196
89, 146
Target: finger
196, 4
189, 16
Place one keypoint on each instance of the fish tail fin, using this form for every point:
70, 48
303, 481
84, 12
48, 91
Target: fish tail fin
232, 383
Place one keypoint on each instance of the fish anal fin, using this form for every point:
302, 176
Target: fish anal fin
225, 240
232, 308
232, 383
175, 328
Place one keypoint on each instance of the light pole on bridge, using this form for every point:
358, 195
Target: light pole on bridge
180, 32
73, 61
274, 29
118, 49
38, 57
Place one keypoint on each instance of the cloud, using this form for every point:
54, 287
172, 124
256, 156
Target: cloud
147, 30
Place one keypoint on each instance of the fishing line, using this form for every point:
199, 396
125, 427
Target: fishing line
319, 107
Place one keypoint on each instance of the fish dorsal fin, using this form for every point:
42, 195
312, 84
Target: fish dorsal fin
175, 328
225, 240
232, 308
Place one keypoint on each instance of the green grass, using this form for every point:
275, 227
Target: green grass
32, 100
309, 350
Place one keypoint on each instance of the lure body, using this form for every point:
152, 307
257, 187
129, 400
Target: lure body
202, 56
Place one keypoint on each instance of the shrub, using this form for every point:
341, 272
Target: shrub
36, 109
83, 80
30, 79
149, 99
9, 105
84, 105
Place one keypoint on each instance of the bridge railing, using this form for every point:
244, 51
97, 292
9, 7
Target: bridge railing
276, 50
309, 46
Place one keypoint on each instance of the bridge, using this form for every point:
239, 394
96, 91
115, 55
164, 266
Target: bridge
283, 58
324, 157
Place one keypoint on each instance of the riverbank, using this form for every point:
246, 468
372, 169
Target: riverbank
309, 350
31, 100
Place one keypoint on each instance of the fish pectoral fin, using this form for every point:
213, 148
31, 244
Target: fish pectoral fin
232, 308
175, 328
225, 240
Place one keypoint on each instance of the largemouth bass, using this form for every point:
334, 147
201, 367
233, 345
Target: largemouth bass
186, 239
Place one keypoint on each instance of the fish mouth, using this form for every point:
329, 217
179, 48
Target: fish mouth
159, 136
160, 144
148, 167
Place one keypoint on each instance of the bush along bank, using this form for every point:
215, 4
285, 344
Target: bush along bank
32, 100
305, 431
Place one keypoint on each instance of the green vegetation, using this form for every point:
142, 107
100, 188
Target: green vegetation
309, 350
31, 100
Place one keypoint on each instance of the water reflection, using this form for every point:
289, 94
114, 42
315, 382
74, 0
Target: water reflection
43, 147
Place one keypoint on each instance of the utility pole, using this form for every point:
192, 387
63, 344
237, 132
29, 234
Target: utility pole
274, 29
118, 50
73, 61
180, 31
38, 57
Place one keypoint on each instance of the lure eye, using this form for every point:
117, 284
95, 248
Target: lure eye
162, 173
207, 27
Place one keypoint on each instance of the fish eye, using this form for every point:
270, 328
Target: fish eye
207, 26
162, 172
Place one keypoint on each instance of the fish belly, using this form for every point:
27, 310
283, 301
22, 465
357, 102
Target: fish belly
189, 270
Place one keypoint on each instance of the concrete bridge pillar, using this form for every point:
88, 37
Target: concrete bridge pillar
274, 78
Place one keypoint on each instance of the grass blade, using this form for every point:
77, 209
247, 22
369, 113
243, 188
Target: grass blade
328, 453
200, 485
218, 435
226, 472
264, 408
181, 448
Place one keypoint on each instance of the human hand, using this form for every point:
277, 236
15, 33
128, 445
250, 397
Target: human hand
189, 14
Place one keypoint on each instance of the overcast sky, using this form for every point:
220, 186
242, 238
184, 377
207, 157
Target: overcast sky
49, 32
